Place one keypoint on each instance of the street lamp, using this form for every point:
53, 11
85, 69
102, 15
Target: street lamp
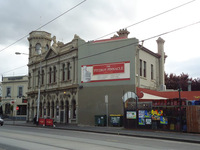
18, 53
38, 100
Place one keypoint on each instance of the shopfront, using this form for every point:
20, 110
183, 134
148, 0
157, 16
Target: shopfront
167, 114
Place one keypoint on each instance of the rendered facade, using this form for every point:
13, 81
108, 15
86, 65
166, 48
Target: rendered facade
117, 66
53, 70
75, 77
14, 95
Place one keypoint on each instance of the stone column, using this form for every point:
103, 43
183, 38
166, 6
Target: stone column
75, 70
70, 113
76, 97
55, 111
64, 109
50, 109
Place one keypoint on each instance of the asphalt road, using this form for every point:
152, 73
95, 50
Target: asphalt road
19, 138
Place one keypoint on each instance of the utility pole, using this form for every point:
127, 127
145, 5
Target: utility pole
180, 105
106, 101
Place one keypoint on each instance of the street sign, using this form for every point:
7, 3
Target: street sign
17, 108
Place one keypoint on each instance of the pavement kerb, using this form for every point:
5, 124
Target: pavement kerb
115, 133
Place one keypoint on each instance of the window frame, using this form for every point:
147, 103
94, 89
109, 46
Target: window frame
8, 94
152, 72
18, 92
145, 69
38, 48
140, 67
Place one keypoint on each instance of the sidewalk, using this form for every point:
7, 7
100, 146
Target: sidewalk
165, 135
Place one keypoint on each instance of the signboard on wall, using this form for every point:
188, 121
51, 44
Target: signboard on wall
163, 120
131, 114
141, 113
156, 114
105, 72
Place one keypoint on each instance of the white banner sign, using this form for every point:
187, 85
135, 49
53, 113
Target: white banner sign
105, 72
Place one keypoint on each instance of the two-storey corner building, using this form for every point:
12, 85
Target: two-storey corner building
110, 69
14, 98
52, 70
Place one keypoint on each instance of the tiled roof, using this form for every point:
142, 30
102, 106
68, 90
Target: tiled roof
188, 95
111, 39
149, 51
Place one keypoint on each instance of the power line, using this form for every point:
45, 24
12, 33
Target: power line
43, 25
150, 18
14, 69
177, 29
145, 19
110, 50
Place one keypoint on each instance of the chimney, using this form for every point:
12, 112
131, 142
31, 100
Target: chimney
161, 52
123, 33
189, 85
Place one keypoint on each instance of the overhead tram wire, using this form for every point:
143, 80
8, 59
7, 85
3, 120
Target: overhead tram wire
144, 20
117, 48
149, 18
104, 35
43, 25
171, 31
14, 69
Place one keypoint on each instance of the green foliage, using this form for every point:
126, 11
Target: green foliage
174, 81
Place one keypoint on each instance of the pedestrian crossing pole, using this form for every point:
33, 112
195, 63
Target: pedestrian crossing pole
106, 101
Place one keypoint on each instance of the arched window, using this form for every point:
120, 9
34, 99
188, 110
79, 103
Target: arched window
50, 70
38, 77
52, 107
68, 71
63, 72
48, 109
54, 74
42, 77
38, 48
30, 46
29, 80
74, 109
47, 47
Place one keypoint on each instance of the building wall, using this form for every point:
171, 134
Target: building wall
75, 99
0, 89
58, 90
14, 83
147, 82
92, 95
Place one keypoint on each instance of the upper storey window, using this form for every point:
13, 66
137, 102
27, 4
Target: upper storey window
47, 47
38, 48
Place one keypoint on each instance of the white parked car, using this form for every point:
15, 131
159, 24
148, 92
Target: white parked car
1, 121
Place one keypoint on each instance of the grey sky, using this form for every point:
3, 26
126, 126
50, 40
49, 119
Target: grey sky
95, 18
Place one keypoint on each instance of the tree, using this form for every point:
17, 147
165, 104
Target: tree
196, 84
173, 81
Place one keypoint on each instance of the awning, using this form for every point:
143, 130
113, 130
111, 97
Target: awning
153, 97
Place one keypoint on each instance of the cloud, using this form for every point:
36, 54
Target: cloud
96, 18
190, 67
